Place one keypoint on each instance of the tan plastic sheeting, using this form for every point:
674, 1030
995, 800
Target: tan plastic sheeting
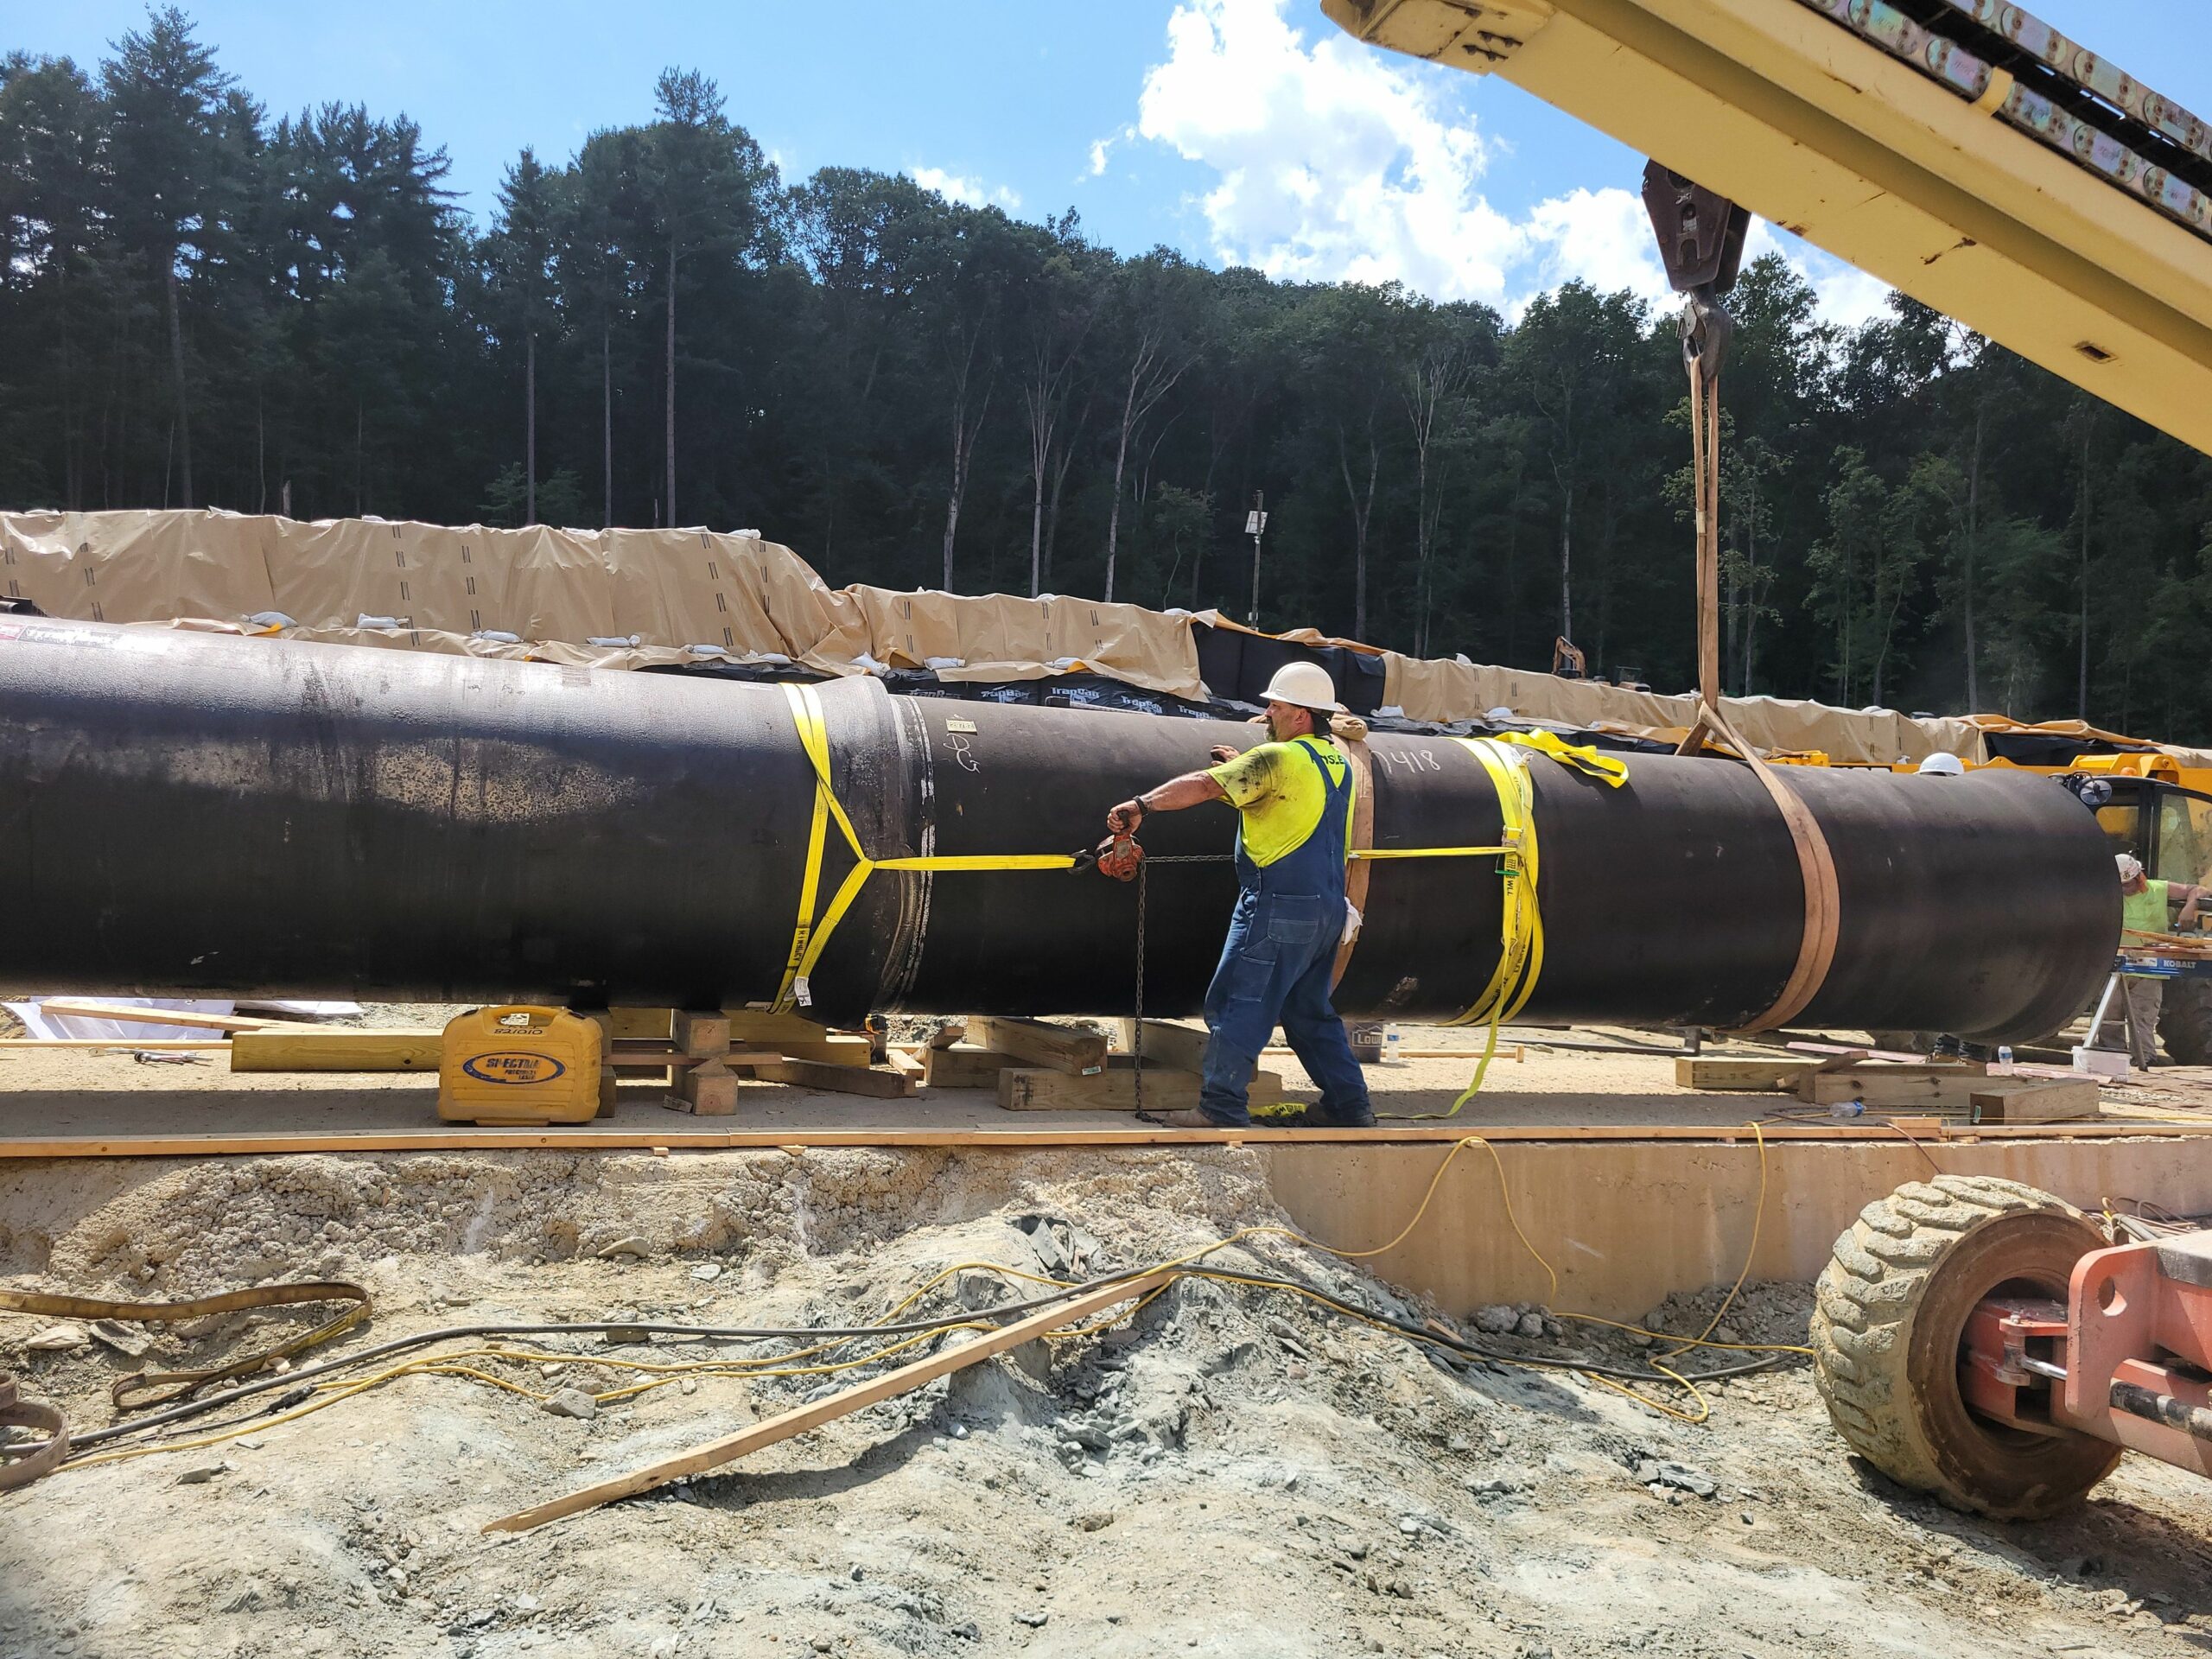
1429, 690
695, 595
683, 595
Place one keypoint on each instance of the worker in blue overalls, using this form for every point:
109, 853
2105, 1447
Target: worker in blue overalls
1293, 797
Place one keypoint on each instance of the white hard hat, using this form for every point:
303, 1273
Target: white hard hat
1944, 766
1304, 685
2130, 865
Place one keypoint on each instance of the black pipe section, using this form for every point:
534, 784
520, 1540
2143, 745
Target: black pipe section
185, 814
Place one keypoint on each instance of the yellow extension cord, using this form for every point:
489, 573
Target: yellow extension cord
781, 1365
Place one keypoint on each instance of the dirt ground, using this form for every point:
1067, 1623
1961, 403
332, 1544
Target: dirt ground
1232, 1472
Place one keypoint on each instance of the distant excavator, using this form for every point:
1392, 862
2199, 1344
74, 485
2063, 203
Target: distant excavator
1974, 1338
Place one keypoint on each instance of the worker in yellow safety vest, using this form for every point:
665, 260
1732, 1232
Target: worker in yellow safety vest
1293, 797
2147, 907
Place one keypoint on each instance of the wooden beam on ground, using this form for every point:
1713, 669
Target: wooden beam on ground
1881, 1086
826, 1075
1115, 1091
82, 1008
2020, 1100
788, 1425
159, 1045
963, 1066
837, 1049
617, 1137
1172, 1047
766, 1029
1037, 1042
337, 1048
1775, 1076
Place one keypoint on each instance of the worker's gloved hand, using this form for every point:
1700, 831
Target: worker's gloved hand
1221, 754
1123, 819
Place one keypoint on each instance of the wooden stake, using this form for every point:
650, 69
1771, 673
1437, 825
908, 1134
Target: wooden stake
789, 1424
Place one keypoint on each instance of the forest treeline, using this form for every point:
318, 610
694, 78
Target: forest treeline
204, 303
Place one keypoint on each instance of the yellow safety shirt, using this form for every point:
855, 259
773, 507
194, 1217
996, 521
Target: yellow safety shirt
1280, 795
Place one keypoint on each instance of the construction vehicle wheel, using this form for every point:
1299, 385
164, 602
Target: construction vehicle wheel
2185, 1021
1889, 1311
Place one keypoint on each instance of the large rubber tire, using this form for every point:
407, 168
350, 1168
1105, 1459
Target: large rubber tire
1889, 1314
2185, 1021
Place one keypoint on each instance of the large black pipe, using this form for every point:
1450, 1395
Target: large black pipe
181, 813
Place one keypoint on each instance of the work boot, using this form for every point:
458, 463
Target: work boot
1361, 1116
1187, 1120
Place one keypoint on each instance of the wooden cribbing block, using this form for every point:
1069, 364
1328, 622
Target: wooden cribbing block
700, 1036
336, 1049
1115, 1091
800, 1418
906, 1063
707, 1090
2010, 1100
1741, 1076
641, 1025
949, 1032
963, 1066
1174, 1048
826, 1076
1035, 1042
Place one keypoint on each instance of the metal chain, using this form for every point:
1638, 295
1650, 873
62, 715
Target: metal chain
1136, 1020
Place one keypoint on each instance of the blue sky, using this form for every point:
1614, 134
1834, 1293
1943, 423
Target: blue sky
1144, 114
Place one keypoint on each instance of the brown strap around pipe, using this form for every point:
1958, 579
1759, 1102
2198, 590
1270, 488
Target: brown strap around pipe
1360, 838
1815, 867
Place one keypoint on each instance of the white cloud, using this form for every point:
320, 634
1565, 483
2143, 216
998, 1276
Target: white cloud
958, 186
1333, 161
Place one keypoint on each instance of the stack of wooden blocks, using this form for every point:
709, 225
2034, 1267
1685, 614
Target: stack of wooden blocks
1956, 1091
1037, 1066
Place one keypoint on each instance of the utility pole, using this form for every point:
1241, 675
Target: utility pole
1255, 525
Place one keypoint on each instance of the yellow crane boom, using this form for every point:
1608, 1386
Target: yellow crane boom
1960, 150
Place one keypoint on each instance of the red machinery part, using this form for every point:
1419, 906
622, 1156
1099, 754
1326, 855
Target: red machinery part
2127, 1359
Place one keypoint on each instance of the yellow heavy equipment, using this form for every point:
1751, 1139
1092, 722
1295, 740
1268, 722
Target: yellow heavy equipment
1974, 1338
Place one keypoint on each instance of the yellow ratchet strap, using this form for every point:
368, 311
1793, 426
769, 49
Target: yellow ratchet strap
811, 933
1608, 769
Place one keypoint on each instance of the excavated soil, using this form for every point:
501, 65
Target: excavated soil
1232, 1472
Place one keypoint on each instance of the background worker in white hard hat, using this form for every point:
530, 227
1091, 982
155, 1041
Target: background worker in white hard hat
2148, 906
1293, 796
1940, 764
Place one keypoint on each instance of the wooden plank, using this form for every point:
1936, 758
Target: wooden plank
827, 1077
458, 1137
799, 1419
758, 1026
159, 1044
89, 1008
1021, 1090
946, 1035
963, 1066
836, 1050
906, 1063
1775, 1076
641, 1025
337, 1048
2009, 1100
1035, 1042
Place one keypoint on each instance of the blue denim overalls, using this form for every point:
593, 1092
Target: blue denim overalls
1275, 969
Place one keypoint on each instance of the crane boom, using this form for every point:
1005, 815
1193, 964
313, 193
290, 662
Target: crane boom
1959, 149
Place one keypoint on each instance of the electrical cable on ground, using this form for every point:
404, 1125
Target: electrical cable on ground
306, 1393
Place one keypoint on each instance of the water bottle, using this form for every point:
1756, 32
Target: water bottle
1394, 1045
2004, 1066
1848, 1108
